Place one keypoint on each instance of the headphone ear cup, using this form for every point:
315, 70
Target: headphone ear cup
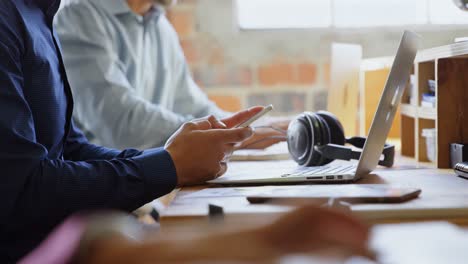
300, 139
320, 136
337, 135
325, 139
304, 133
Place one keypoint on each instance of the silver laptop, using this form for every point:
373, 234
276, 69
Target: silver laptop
381, 124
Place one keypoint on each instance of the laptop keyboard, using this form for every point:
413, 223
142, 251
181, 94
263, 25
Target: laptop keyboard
323, 171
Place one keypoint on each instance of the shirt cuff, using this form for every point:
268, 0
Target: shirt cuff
158, 170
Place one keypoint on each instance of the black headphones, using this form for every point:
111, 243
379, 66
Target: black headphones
316, 139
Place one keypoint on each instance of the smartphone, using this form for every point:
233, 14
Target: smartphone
255, 117
354, 194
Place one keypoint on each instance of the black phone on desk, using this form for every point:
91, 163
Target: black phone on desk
461, 169
354, 194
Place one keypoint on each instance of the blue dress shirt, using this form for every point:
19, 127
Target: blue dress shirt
48, 170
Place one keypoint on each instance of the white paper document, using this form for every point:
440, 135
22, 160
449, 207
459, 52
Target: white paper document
275, 152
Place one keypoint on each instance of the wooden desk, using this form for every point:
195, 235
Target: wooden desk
444, 197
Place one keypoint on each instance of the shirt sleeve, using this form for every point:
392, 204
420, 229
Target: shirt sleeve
106, 104
190, 98
78, 148
37, 191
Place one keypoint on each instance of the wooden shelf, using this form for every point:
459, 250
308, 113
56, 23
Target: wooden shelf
447, 51
427, 113
409, 110
418, 112
447, 65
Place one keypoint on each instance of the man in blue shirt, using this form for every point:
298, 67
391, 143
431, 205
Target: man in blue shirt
135, 70
49, 170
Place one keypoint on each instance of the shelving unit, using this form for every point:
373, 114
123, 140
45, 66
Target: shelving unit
448, 66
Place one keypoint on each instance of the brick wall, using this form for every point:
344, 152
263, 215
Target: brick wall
233, 85
288, 68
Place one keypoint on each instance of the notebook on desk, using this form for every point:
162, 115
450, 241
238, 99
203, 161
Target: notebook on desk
382, 122
277, 151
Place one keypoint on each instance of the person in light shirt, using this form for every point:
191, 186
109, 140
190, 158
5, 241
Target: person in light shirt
131, 82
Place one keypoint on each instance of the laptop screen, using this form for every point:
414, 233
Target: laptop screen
389, 102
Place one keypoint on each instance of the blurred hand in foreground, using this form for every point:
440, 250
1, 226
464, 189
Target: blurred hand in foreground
310, 230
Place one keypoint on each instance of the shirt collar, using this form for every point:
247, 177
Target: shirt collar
119, 7
155, 12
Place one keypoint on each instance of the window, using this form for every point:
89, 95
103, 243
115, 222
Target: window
272, 13
280, 14
362, 13
445, 12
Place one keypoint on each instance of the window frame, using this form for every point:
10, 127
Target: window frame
428, 26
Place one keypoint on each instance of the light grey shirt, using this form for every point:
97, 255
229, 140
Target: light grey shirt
130, 80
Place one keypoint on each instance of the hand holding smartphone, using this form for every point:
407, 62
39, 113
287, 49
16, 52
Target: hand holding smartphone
255, 117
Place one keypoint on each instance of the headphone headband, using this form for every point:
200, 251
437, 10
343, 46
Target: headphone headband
333, 151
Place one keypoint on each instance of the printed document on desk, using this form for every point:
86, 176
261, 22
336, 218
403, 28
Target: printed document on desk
278, 151
267, 168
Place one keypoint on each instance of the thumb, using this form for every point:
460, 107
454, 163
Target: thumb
197, 125
233, 135
203, 125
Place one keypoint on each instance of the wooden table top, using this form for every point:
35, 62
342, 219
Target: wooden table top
414, 239
444, 196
